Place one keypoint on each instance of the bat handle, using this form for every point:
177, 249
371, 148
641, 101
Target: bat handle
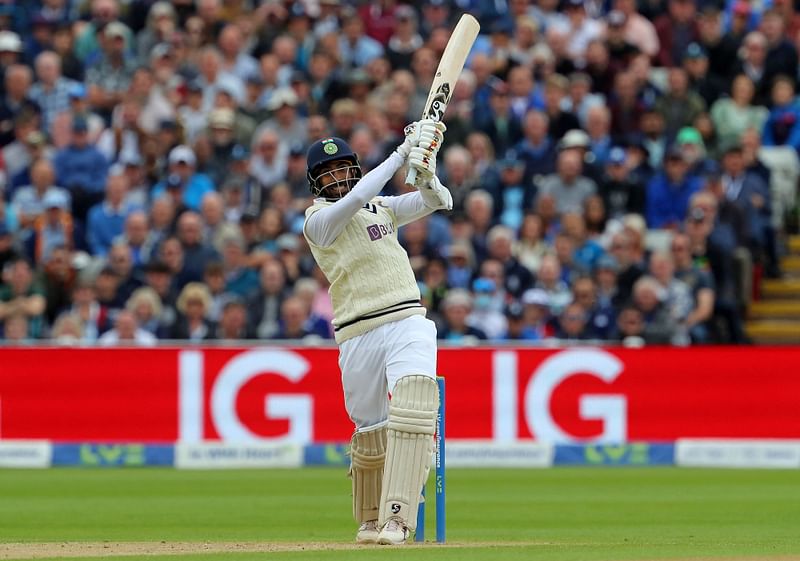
411, 176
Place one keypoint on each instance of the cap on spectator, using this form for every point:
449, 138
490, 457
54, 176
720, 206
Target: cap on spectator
231, 87
182, 154
437, 3
77, 91
161, 50
329, 2
482, 284
689, 135
157, 267
298, 10
79, 124
606, 263
457, 297
575, 138
503, 25
535, 297
297, 149
255, 78
161, 9
80, 260
35, 138
570, 4
233, 183
405, 12
510, 160
249, 216
239, 153
731, 147
297, 77
616, 18
498, 87
40, 19
194, 86
636, 140
221, 118
10, 42
283, 96
695, 51
287, 242
741, 8
129, 158
114, 30
515, 310
173, 181
673, 153
359, 76
617, 156
55, 199
697, 214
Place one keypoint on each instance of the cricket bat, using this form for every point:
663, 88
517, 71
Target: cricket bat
450, 66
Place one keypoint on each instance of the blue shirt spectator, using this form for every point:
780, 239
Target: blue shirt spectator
183, 183
106, 220
81, 166
668, 192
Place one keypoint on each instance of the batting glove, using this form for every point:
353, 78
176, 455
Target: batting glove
411, 132
436, 195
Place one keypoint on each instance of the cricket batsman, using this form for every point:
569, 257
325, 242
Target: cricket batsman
387, 347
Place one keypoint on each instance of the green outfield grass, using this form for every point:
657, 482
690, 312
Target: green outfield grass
554, 514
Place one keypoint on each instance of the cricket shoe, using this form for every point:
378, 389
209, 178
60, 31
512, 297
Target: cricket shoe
394, 532
368, 532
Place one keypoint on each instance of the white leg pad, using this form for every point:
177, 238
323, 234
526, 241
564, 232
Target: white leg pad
412, 423
367, 456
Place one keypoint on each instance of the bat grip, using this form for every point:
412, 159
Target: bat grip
411, 176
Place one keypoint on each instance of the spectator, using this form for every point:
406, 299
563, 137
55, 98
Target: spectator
680, 106
109, 77
51, 90
668, 192
701, 284
621, 192
457, 306
183, 185
548, 279
126, 331
568, 186
193, 305
676, 30
53, 228
129, 279
572, 323
783, 124
536, 314
82, 169
735, 114
265, 303
639, 31
18, 79
145, 305
92, 316
233, 321
21, 296
294, 320
57, 279
28, 201
240, 279
106, 220
659, 326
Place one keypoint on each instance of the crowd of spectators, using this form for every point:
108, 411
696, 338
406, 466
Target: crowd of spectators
620, 171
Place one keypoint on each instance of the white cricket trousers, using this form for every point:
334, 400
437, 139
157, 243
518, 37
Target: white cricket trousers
372, 363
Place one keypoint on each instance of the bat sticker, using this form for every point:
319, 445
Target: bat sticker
439, 104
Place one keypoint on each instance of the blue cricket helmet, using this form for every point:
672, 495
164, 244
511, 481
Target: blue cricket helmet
323, 151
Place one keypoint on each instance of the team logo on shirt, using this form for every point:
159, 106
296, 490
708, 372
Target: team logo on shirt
378, 231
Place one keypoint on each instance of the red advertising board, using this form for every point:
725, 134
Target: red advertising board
505, 394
